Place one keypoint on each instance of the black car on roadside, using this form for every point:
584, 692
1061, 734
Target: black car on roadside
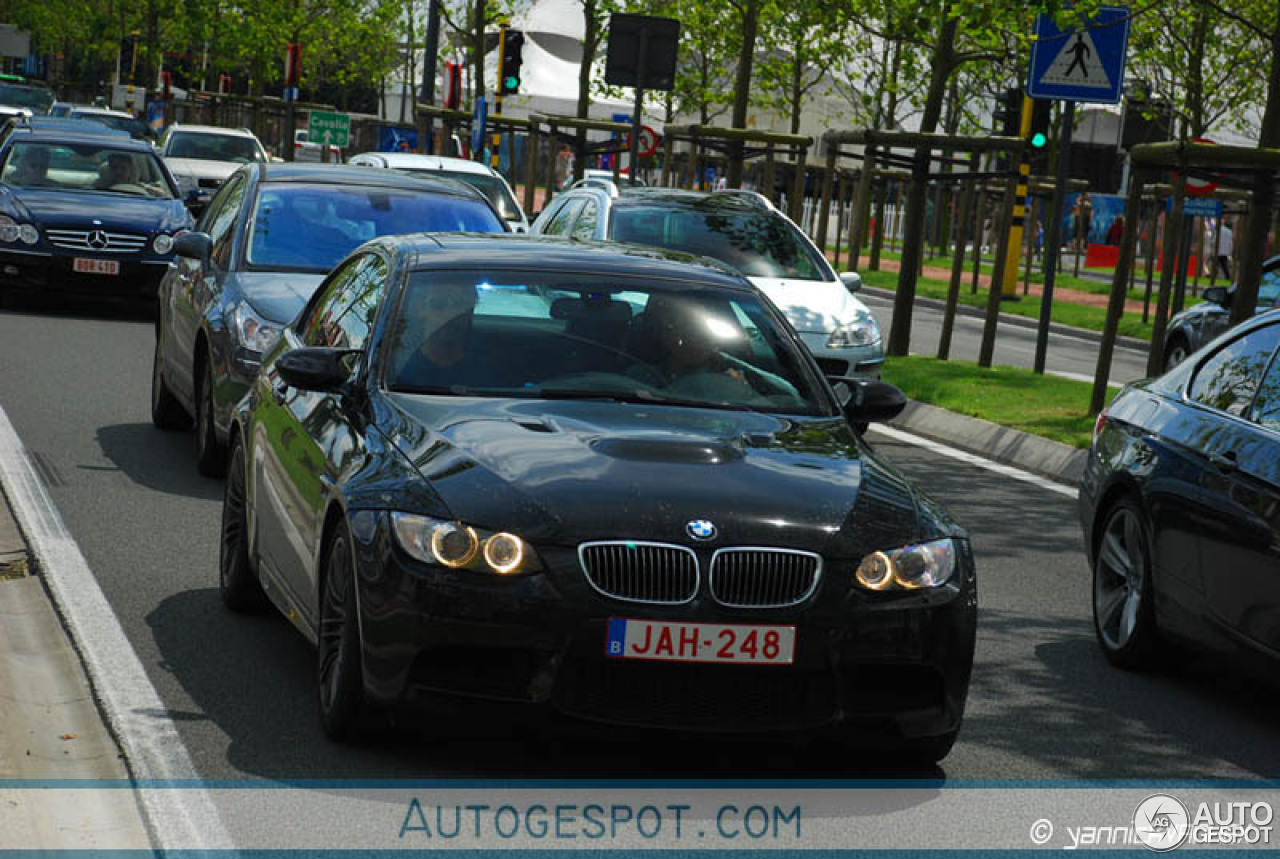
266, 241
86, 213
1197, 325
1180, 503
609, 481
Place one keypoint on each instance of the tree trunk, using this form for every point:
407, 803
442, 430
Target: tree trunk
797, 95
912, 244
742, 86
590, 39
1254, 248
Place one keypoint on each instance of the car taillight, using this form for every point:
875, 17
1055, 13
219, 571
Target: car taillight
1099, 424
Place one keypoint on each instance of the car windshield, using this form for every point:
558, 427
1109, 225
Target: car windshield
312, 227
136, 128
85, 167
758, 244
491, 186
1269, 288
36, 99
214, 147
565, 336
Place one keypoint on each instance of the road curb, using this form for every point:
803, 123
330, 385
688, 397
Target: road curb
1042, 456
1014, 320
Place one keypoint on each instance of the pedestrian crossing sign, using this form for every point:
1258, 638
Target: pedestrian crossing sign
1085, 64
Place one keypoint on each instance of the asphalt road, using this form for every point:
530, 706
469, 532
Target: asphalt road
1073, 357
1044, 704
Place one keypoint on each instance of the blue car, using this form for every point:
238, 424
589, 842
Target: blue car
83, 213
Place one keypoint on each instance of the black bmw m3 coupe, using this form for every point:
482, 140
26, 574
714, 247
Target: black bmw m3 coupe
605, 480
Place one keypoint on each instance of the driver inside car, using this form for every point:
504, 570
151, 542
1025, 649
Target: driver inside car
687, 344
118, 170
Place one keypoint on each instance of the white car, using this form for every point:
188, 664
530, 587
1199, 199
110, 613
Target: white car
741, 229
305, 150
484, 179
203, 156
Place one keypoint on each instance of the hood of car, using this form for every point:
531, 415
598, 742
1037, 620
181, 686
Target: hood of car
88, 210
198, 168
563, 472
812, 306
276, 296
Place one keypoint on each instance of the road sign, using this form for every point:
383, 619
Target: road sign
648, 141
1196, 186
1086, 64
333, 129
1197, 207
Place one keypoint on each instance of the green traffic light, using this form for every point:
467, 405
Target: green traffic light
511, 83
1038, 140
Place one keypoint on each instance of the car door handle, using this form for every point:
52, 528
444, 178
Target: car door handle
1225, 462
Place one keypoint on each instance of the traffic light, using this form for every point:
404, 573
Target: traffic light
1008, 112
511, 62
452, 85
1038, 138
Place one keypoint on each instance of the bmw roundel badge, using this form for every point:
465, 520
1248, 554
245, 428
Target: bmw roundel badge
701, 529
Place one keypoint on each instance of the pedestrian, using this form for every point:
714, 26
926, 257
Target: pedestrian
1084, 221
1226, 245
1115, 233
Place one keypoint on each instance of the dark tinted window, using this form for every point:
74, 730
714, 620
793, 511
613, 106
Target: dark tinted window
757, 243
214, 147
1266, 408
343, 317
222, 220
1229, 379
585, 226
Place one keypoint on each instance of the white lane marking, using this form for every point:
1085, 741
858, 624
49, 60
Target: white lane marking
182, 818
974, 459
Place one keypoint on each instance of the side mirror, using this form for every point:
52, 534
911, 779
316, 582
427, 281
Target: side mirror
1218, 295
852, 280
870, 400
317, 368
193, 245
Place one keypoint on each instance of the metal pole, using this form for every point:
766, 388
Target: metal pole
1054, 239
634, 159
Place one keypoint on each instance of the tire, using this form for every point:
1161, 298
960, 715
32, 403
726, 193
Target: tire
1177, 352
166, 412
240, 588
211, 455
1124, 617
339, 677
928, 750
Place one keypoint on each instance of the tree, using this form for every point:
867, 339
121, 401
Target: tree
803, 42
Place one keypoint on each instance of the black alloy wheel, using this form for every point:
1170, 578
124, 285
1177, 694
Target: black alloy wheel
1123, 594
211, 456
1177, 352
240, 588
166, 412
338, 674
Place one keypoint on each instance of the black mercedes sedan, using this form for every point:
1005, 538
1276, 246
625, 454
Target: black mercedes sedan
608, 481
1180, 503
266, 241
85, 213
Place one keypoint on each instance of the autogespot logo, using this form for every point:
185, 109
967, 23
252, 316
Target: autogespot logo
1161, 822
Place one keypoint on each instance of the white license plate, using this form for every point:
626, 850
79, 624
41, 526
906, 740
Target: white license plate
85, 265
700, 642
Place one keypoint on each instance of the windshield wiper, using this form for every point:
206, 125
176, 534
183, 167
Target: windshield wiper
442, 390
636, 396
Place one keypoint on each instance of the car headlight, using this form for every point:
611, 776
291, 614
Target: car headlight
28, 234
459, 546
162, 244
255, 334
925, 565
862, 331
9, 229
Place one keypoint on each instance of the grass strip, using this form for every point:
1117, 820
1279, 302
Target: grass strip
1047, 406
1066, 313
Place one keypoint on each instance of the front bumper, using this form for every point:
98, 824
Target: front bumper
896, 667
46, 271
